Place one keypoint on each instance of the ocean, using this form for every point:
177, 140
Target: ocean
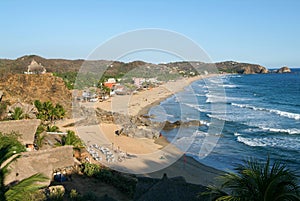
242, 116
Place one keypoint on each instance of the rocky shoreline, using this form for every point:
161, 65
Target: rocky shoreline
140, 126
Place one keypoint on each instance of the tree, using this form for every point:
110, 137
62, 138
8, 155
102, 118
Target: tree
255, 181
71, 139
48, 112
17, 114
52, 129
9, 147
39, 137
59, 111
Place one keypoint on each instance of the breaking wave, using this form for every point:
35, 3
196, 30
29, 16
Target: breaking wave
270, 142
291, 131
278, 112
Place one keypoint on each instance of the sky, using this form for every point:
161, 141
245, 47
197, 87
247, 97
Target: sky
255, 31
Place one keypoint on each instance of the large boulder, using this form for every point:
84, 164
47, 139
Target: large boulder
284, 69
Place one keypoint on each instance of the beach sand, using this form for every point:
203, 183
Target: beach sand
148, 157
141, 102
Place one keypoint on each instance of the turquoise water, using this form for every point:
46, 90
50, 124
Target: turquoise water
262, 118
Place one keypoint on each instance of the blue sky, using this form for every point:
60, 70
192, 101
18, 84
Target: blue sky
263, 32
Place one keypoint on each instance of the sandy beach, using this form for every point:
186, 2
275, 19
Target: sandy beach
147, 157
140, 103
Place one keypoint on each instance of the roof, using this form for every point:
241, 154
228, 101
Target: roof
111, 80
26, 128
28, 109
45, 162
34, 66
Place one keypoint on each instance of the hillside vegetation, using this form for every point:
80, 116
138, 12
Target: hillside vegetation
117, 68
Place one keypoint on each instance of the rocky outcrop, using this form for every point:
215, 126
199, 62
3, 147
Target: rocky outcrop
131, 126
241, 68
284, 69
171, 125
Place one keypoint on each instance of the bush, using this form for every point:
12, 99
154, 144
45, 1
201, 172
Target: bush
58, 195
74, 196
90, 169
121, 182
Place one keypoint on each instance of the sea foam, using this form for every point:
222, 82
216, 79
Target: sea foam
278, 112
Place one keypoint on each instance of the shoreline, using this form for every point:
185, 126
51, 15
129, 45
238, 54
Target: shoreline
140, 103
148, 152
189, 81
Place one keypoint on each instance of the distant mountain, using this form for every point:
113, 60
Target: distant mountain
52, 65
114, 68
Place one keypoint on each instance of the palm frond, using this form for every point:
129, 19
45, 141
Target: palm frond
256, 181
25, 187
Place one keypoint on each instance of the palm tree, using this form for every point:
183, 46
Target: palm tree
39, 107
60, 111
17, 114
255, 181
39, 136
52, 129
48, 112
9, 147
71, 139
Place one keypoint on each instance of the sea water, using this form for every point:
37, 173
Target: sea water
261, 116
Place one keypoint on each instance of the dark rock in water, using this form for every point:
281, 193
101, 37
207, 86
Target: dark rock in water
169, 125
284, 69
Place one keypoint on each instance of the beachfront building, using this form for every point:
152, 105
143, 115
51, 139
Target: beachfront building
35, 68
89, 96
120, 89
138, 82
110, 83
26, 128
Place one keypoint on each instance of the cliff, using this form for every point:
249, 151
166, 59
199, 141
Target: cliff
241, 68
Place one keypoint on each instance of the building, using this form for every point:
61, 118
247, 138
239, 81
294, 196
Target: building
35, 68
110, 83
120, 90
89, 96
26, 128
45, 162
29, 110
137, 81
